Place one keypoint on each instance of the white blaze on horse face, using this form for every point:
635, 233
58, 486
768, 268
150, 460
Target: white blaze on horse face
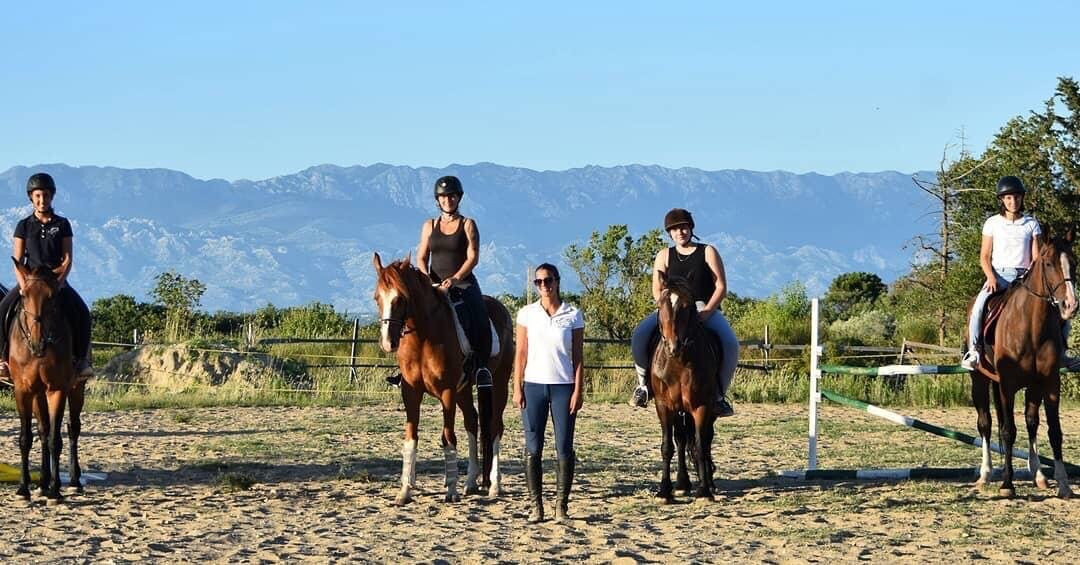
386, 300
1070, 290
674, 298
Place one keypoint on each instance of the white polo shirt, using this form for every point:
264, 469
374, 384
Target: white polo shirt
550, 359
1012, 240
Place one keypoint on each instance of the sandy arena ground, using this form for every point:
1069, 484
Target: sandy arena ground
324, 480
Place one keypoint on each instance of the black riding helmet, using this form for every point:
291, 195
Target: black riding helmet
677, 217
40, 181
1010, 185
448, 185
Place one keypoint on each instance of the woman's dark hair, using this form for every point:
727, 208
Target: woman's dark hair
554, 273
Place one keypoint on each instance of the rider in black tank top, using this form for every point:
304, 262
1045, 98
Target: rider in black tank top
692, 267
449, 260
448, 252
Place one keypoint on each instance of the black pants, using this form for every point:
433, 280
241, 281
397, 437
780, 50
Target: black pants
477, 327
73, 307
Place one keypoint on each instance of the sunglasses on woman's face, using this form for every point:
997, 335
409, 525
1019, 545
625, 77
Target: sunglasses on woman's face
546, 281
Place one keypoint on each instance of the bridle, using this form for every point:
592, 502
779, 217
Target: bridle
37, 348
687, 340
1050, 296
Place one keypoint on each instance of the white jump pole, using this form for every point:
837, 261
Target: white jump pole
815, 393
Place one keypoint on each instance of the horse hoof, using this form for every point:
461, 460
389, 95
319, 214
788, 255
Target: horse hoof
54, 500
1040, 482
401, 500
1007, 492
472, 489
1064, 491
23, 492
452, 497
495, 491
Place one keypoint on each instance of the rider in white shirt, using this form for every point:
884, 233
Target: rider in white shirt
1010, 239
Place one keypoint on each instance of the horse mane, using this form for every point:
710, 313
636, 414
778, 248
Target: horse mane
681, 287
412, 283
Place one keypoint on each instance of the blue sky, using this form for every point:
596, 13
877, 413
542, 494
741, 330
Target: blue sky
257, 89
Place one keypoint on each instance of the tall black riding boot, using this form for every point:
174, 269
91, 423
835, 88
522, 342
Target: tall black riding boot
534, 472
562, 493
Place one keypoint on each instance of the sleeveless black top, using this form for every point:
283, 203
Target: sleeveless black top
693, 268
447, 251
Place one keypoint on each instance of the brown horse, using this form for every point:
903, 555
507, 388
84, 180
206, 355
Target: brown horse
1026, 353
417, 323
40, 357
683, 377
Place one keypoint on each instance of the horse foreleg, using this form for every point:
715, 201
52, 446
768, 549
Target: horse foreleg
449, 445
495, 476
682, 435
468, 413
667, 449
75, 405
1032, 399
703, 435
411, 399
41, 410
24, 401
980, 397
57, 403
1003, 403
1053, 425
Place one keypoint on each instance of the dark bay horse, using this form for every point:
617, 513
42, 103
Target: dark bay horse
418, 323
40, 357
1026, 353
683, 378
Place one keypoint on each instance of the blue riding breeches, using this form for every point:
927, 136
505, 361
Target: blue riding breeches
717, 323
540, 399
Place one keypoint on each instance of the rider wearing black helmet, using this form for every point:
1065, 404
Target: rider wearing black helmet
448, 252
44, 238
700, 264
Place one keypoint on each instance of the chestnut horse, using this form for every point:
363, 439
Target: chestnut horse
417, 323
40, 357
1026, 353
683, 378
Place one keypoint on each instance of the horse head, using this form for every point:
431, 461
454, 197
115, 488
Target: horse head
399, 288
1057, 263
38, 313
677, 314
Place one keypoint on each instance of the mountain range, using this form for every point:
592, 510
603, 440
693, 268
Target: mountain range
309, 236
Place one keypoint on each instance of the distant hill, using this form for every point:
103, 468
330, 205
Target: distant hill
309, 236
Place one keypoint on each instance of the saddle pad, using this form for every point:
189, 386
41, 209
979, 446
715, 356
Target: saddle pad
463, 339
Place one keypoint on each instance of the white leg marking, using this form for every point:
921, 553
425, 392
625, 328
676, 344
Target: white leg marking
408, 471
496, 476
1034, 465
450, 459
985, 468
474, 466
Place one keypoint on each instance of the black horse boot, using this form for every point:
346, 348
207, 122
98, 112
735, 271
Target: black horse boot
562, 492
534, 472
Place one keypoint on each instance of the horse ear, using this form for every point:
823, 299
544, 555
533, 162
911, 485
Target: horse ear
377, 261
408, 258
1070, 235
20, 267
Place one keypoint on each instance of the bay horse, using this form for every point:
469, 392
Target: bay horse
417, 322
1026, 353
683, 378
40, 360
